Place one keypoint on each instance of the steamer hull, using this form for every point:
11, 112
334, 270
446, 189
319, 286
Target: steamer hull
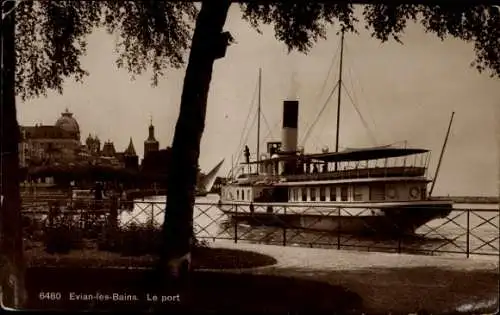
385, 219
374, 190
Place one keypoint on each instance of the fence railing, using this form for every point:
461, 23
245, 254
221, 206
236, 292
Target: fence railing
470, 231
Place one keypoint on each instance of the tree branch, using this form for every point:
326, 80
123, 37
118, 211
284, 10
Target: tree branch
16, 4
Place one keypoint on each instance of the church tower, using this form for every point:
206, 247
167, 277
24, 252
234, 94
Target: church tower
131, 158
151, 145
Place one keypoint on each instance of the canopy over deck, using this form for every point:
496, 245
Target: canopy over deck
348, 155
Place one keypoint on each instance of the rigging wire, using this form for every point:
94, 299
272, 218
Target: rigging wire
328, 74
262, 141
266, 123
363, 121
370, 116
320, 113
252, 105
330, 70
254, 120
316, 138
269, 133
352, 77
320, 128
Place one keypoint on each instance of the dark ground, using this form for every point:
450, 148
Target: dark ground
209, 291
421, 290
410, 290
224, 280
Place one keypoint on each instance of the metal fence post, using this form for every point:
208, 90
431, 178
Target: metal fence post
236, 224
338, 228
468, 233
284, 227
152, 214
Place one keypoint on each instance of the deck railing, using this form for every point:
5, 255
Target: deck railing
467, 232
362, 172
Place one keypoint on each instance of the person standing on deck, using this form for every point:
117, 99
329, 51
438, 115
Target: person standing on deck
247, 154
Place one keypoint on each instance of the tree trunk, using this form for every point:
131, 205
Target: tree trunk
11, 242
175, 255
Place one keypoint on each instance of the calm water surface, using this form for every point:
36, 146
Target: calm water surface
476, 231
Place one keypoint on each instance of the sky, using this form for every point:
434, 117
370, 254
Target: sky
404, 93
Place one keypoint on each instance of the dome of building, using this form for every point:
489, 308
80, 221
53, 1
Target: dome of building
68, 123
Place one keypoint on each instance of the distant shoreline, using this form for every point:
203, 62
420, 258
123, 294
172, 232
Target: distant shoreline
470, 199
139, 194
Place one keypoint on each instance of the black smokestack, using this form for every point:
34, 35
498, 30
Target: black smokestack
290, 123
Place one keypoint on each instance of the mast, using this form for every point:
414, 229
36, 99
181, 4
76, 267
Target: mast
232, 168
441, 155
258, 119
339, 93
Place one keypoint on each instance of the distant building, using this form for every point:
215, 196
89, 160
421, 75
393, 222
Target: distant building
46, 145
92, 145
151, 144
108, 149
130, 157
41, 144
157, 162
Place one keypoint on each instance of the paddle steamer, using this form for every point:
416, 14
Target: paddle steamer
381, 189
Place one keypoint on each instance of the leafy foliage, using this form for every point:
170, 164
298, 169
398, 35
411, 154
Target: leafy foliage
51, 39
155, 35
62, 237
479, 24
300, 25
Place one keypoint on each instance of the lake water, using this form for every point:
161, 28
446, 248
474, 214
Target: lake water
449, 234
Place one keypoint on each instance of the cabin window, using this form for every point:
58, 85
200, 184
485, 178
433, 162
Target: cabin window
377, 193
343, 193
242, 194
313, 194
249, 194
304, 194
333, 193
358, 193
237, 194
322, 193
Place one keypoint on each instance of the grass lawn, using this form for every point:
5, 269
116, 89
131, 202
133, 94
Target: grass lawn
203, 258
